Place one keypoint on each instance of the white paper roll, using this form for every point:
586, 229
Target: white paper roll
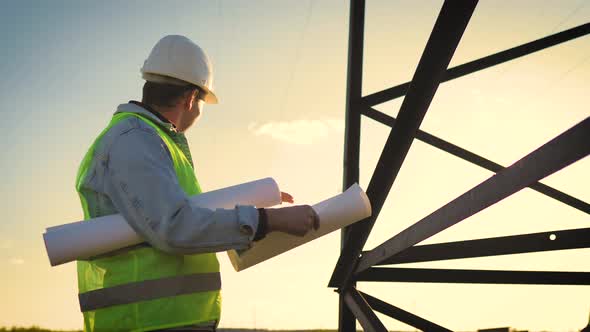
339, 211
89, 238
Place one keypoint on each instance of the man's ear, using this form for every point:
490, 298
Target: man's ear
190, 99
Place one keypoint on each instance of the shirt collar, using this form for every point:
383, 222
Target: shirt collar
147, 111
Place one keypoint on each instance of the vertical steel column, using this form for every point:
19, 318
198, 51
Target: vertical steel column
346, 320
445, 36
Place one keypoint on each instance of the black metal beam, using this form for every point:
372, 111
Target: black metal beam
478, 160
475, 276
485, 62
441, 45
363, 312
565, 149
505, 245
352, 131
402, 315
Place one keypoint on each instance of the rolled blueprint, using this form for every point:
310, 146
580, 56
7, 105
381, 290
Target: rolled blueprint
90, 238
339, 211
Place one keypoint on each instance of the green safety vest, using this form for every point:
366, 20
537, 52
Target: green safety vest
144, 289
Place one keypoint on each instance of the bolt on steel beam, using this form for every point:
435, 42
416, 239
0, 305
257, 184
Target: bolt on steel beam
505, 245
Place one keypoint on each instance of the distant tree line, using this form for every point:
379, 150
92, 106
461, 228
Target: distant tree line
30, 329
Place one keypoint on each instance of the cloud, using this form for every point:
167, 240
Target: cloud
298, 131
16, 261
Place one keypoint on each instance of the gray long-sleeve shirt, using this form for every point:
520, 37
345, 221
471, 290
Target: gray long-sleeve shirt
132, 174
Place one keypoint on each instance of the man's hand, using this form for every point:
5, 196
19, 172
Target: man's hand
294, 220
286, 198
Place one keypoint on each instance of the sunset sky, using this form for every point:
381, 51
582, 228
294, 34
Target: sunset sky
280, 74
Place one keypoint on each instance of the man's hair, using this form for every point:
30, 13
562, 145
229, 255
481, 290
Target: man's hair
164, 95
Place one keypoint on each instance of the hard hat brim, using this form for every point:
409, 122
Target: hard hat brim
210, 97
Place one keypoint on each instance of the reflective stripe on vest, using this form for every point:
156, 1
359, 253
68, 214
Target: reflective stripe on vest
149, 290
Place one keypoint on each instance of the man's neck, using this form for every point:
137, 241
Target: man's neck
171, 115
168, 115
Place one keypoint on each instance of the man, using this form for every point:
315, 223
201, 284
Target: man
141, 166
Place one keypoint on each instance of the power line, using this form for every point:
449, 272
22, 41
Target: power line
566, 18
581, 5
569, 71
297, 57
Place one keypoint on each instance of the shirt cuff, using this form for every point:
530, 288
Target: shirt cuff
262, 225
247, 220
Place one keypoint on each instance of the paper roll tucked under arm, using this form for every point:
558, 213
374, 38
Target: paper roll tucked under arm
337, 212
98, 236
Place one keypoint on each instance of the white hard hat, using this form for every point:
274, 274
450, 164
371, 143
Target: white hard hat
177, 60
